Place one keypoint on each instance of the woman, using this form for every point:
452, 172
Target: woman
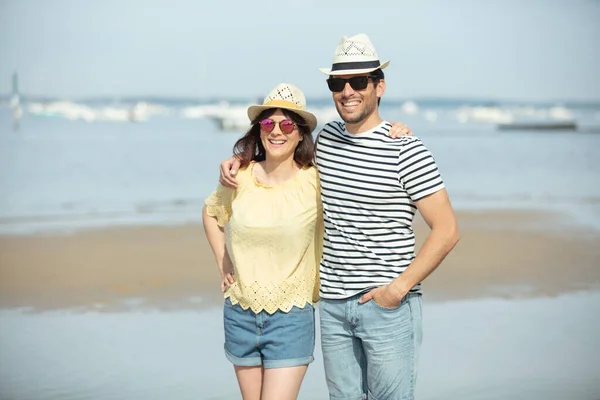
267, 239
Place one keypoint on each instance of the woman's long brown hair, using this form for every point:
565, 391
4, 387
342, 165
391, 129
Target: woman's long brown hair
250, 148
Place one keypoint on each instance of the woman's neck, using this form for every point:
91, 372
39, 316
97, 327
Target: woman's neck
278, 171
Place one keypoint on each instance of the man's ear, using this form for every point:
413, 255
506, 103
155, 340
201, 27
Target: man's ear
380, 89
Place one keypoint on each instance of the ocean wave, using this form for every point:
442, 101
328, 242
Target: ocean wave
140, 111
232, 115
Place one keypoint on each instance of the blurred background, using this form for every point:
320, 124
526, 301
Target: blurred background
115, 115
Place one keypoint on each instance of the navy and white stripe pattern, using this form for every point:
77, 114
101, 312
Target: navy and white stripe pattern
369, 184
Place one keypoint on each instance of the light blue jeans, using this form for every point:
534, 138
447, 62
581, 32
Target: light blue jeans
370, 351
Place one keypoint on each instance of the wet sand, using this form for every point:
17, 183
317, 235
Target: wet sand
483, 349
507, 254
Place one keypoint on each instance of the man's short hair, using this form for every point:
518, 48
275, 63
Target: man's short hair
378, 73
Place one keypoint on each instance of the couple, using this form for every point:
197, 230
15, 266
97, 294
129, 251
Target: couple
350, 214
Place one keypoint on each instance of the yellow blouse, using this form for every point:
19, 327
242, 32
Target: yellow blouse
274, 236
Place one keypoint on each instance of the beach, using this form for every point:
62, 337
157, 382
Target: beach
506, 254
116, 116
108, 289
134, 312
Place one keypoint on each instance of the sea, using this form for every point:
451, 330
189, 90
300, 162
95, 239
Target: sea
77, 165
72, 165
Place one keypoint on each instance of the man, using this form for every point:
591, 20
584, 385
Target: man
371, 187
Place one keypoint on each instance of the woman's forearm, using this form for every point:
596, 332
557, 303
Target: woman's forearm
215, 236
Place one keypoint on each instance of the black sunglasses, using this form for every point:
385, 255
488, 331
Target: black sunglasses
356, 83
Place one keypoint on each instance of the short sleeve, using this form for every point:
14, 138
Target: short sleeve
418, 171
218, 204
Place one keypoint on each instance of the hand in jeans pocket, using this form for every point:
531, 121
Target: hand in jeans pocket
384, 296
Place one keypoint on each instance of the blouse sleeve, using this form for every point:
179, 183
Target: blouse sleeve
218, 204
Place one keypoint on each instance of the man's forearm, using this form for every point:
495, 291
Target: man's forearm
436, 247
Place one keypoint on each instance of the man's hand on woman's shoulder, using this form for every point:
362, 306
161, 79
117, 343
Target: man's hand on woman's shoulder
399, 129
229, 169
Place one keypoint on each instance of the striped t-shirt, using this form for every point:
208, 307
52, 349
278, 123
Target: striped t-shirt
369, 184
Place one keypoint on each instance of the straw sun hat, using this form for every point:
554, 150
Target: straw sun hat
354, 55
287, 97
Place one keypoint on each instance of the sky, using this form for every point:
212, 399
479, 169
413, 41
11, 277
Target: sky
505, 49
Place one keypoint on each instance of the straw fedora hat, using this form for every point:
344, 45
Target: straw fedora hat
354, 55
287, 97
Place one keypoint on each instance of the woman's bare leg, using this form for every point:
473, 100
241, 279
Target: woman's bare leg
282, 383
250, 380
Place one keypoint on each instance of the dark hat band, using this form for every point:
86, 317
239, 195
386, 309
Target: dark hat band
355, 65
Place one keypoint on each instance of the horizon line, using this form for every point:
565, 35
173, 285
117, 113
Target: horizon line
221, 97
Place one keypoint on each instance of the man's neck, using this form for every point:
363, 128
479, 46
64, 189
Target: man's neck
365, 125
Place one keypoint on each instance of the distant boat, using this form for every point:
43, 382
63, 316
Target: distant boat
234, 118
231, 118
539, 126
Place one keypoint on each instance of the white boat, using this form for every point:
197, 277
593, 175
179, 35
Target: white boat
539, 126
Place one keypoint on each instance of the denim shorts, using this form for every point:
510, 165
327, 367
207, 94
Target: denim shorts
278, 340
370, 351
